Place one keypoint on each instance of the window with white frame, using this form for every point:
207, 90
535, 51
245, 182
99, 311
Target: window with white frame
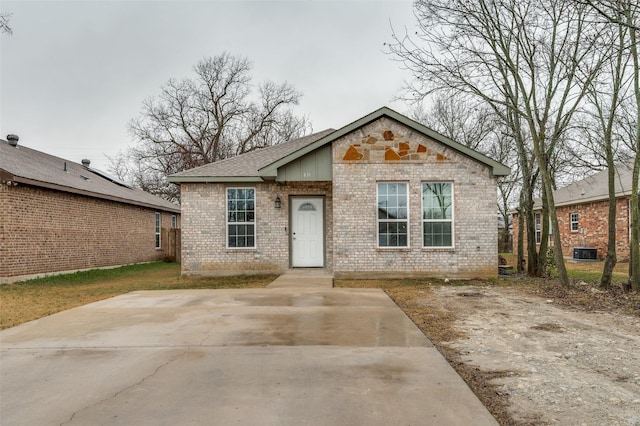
574, 219
437, 214
393, 214
241, 218
538, 221
158, 229
174, 221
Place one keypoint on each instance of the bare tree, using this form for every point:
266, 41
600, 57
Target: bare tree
4, 23
626, 14
528, 58
599, 136
471, 124
213, 116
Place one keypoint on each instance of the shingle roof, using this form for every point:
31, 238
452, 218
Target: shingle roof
247, 165
257, 165
29, 166
594, 187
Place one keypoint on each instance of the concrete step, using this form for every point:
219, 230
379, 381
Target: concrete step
305, 278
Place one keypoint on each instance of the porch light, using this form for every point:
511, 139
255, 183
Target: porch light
278, 202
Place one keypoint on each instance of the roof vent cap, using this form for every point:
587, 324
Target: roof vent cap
86, 162
13, 140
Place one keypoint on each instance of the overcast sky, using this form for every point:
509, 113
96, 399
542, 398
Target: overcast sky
74, 73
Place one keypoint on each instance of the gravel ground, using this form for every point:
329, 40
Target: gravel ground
532, 359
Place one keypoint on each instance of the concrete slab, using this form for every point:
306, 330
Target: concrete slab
304, 277
280, 356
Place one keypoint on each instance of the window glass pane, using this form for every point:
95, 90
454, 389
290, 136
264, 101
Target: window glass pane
437, 234
240, 212
392, 214
437, 201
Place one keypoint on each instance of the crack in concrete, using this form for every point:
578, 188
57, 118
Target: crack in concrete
207, 334
134, 385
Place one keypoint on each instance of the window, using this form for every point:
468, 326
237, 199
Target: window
174, 221
158, 229
574, 222
538, 228
241, 217
393, 214
437, 214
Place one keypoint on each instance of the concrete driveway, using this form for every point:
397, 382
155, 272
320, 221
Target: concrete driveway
286, 355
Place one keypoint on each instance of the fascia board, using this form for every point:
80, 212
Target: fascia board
214, 179
71, 190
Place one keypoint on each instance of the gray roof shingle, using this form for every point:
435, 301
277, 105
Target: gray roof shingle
247, 165
594, 187
29, 166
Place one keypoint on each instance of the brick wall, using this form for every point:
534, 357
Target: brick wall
359, 162
204, 235
44, 231
387, 151
592, 228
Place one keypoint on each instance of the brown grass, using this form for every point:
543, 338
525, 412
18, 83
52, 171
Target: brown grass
26, 301
621, 269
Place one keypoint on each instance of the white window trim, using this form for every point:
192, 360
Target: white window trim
174, 221
407, 220
452, 220
158, 231
538, 227
571, 222
254, 223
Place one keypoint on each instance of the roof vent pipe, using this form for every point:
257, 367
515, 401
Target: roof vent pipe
13, 140
86, 162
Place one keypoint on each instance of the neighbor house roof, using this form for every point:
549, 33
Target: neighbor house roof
263, 164
594, 187
31, 167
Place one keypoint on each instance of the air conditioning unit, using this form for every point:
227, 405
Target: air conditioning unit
585, 253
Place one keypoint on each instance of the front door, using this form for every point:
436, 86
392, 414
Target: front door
307, 232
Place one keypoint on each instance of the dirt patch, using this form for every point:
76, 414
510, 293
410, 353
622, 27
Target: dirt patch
535, 354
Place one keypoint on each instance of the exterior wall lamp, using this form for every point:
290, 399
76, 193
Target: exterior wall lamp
278, 202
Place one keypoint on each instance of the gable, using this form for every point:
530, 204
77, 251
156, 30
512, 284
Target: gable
387, 141
391, 148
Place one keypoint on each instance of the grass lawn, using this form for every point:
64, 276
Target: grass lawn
29, 300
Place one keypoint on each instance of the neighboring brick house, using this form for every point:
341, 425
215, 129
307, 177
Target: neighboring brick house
583, 211
383, 196
60, 216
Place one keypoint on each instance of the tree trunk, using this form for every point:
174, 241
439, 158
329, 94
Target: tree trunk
610, 260
538, 143
541, 271
521, 261
634, 261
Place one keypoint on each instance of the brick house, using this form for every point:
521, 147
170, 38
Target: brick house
382, 196
59, 216
583, 208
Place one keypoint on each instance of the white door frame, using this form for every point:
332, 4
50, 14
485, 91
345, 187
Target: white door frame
292, 260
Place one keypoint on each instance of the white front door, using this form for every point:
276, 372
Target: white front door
307, 232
